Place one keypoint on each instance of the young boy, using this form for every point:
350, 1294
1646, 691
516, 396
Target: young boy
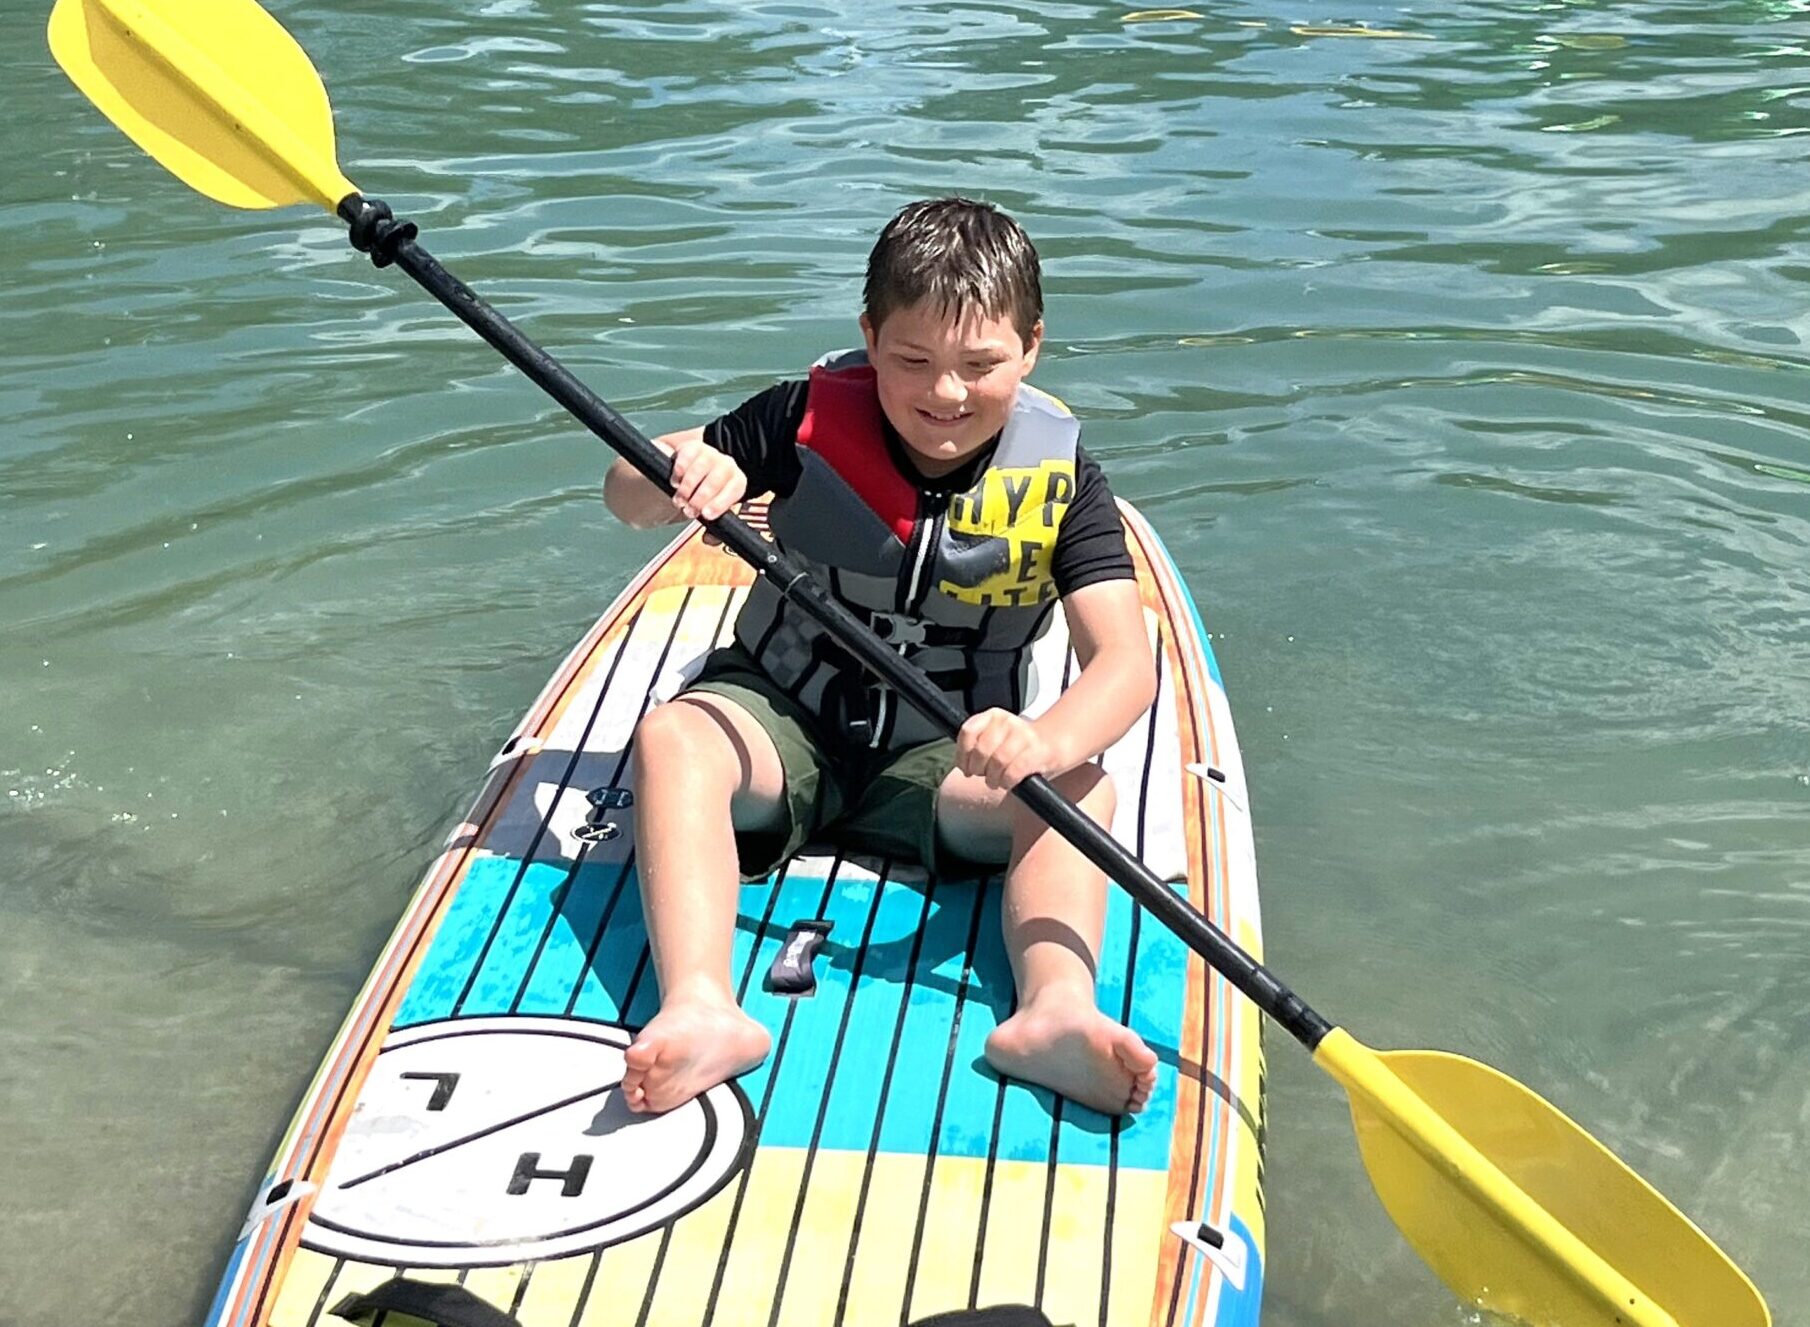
950, 507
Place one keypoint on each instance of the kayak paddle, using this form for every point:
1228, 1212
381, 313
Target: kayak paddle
1517, 1208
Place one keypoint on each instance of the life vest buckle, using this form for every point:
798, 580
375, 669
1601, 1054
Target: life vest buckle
897, 629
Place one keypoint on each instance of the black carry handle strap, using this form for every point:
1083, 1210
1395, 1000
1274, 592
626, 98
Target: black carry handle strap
441, 1303
994, 1315
791, 973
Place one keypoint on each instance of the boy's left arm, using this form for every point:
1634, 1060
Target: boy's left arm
1116, 684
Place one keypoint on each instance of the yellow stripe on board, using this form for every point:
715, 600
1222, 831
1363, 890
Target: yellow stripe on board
820, 1251
623, 1272
1248, 1203
307, 1276
1014, 1236
683, 1292
439, 1275
494, 1285
759, 1243
553, 1292
1077, 1256
882, 1258
355, 1278
1140, 1237
945, 1263
944, 1269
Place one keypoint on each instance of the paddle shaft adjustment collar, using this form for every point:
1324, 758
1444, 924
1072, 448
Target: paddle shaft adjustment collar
375, 229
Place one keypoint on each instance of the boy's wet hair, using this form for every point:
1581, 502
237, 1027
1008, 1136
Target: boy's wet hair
964, 256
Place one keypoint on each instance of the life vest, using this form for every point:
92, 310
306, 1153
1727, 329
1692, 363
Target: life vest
959, 582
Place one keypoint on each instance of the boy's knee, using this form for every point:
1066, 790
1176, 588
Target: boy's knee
664, 727
1092, 789
1087, 786
677, 737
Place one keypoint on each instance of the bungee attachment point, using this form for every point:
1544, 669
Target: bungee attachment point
598, 827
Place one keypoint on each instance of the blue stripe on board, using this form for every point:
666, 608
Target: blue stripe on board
1024, 1124
861, 1071
218, 1307
1160, 987
516, 940
800, 897
562, 962
924, 1041
791, 1115
972, 1087
1240, 1308
644, 1000
458, 942
1085, 1136
606, 979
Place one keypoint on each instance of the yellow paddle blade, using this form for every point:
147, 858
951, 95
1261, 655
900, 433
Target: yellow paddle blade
1519, 1210
216, 90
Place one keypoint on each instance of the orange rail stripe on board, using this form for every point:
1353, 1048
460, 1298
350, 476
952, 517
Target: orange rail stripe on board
1213, 818
1184, 1177
1184, 1171
1219, 1003
1203, 895
1213, 896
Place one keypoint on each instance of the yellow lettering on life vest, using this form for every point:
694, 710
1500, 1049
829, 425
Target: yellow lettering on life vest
1022, 506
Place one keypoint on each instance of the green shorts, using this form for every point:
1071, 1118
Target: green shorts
878, 802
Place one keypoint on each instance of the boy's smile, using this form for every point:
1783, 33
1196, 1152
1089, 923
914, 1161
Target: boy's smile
947, 385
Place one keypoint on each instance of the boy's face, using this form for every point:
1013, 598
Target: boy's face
947, 386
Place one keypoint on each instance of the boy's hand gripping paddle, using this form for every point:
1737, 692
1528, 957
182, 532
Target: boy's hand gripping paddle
1518, 1209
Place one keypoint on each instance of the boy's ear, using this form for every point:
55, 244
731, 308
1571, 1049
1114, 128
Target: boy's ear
870, 335
1033, 346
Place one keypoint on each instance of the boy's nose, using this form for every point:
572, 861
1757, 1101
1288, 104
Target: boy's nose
950, 387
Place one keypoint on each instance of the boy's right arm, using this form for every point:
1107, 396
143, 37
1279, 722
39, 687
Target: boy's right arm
706, 483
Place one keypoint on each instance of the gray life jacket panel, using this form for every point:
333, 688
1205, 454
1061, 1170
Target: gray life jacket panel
960, 583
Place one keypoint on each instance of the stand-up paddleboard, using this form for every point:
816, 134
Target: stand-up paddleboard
462, 1156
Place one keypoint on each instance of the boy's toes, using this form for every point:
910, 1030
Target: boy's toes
688, 1049
1139, 1063
639, 1060
641, 1055
1131, 1052
1073, 1048
1141, 1090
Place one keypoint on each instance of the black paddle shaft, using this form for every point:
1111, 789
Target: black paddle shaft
374, 231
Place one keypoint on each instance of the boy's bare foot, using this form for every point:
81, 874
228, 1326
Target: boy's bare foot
1064, 1042
688, 1048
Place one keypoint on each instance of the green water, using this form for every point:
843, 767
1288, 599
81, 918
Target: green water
1466, 375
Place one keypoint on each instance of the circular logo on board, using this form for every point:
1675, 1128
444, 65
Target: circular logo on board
499, 1140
